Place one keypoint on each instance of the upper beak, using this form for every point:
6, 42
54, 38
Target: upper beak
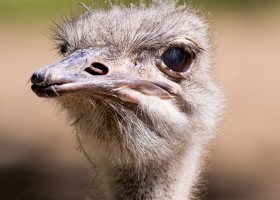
80, 73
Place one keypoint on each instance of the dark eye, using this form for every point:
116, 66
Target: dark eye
63, 48
177, 59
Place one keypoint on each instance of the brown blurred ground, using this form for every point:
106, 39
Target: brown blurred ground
38, 159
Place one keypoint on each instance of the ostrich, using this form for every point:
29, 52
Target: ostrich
137, 83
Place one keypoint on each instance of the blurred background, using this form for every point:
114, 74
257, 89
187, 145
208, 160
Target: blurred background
38, 156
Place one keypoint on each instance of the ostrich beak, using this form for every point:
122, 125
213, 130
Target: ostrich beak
78, 74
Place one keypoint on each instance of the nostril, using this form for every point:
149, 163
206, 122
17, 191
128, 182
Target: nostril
97, 69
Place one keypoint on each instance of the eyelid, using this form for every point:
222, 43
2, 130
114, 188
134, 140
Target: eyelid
183, 42
186, 39
166, 70
192, 40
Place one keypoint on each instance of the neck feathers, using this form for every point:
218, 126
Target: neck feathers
172, 180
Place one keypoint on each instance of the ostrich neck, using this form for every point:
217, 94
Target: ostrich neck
170, 181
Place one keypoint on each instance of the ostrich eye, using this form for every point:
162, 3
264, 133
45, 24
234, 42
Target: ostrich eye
177, 59
63, 48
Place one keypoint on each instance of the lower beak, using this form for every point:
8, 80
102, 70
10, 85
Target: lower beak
121, 87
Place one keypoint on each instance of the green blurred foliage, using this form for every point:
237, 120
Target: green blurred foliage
37, 10
236, 4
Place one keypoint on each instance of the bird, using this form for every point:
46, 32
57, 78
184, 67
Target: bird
137, 82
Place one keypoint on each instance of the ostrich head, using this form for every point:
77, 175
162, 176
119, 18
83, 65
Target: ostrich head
137, 83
